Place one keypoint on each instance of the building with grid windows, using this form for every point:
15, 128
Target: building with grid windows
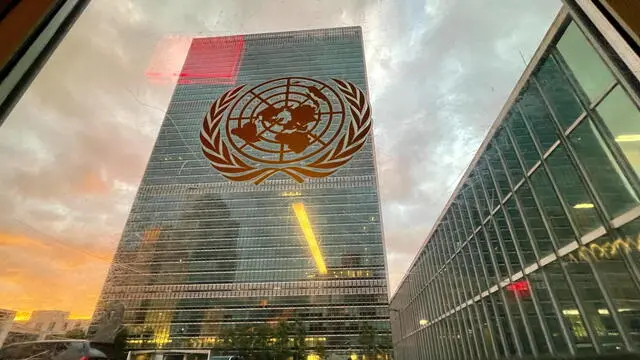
537, 252
201, 255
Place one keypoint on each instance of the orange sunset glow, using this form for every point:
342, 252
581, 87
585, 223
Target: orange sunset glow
43, 275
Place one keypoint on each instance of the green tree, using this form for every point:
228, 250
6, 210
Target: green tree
368, 340
262, 335
249, 342
320, 351
281, 345
76, 333
299, 341
372, 344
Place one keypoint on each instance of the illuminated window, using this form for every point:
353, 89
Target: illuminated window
623, 120
584, 62
603, 170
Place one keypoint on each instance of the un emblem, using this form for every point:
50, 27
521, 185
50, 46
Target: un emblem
298, 126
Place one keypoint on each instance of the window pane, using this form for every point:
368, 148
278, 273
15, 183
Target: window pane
573, 192
539, 289
508, 241
461, 217
623, 120
584, 62
568, 307
559, 93
537, 114
521, 236
593, 302
492, 199
631, 239
607, 256
551, 207
500, 262
541, 236
523, 140
499, 317
478, 194
604, 172
513, 302
471, 207
499, 174
482, 261
508, 152
471, 269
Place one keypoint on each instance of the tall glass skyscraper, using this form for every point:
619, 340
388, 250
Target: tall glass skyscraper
201, 254
537, 251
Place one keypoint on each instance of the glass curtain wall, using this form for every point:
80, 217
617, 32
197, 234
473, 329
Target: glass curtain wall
538, 251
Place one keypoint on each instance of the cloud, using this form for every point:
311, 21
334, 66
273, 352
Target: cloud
75, 147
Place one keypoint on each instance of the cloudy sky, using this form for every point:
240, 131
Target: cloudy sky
74, 149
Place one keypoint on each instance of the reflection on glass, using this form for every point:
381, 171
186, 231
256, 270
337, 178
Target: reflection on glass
537, 114
586, 65
499, 174
541, 292
508, 152
498, 316
479, 255
495, 256
521, 236
573, 192
510, 252
592, 298
558, 92
471, 209
477, 194
622, 117
573, 319
514, 304
605, 174
630, 247
522, 139
614, 259
551, 208
471, 269
490, 195
310, 237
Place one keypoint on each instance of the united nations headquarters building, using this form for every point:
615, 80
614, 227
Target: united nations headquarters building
260, 203
537, 252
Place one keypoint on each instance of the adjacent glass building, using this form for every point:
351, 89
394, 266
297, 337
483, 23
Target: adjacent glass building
537, 253
201, 254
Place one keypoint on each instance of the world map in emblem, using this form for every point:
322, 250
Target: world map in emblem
298, 126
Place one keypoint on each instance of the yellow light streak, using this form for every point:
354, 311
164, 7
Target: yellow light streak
583, 206
303, 220
628, 138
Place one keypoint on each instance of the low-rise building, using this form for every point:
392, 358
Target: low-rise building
6, 321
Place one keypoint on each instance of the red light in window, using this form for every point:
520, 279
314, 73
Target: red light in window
519, 288
187, 60
213, 61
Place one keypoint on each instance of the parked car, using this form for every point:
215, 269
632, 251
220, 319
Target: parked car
52, 350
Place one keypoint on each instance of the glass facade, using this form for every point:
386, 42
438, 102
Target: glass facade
537, 252
200, 254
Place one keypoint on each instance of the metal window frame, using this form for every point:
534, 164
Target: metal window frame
37, 49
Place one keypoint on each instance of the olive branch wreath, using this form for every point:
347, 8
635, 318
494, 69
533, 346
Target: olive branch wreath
234, 168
